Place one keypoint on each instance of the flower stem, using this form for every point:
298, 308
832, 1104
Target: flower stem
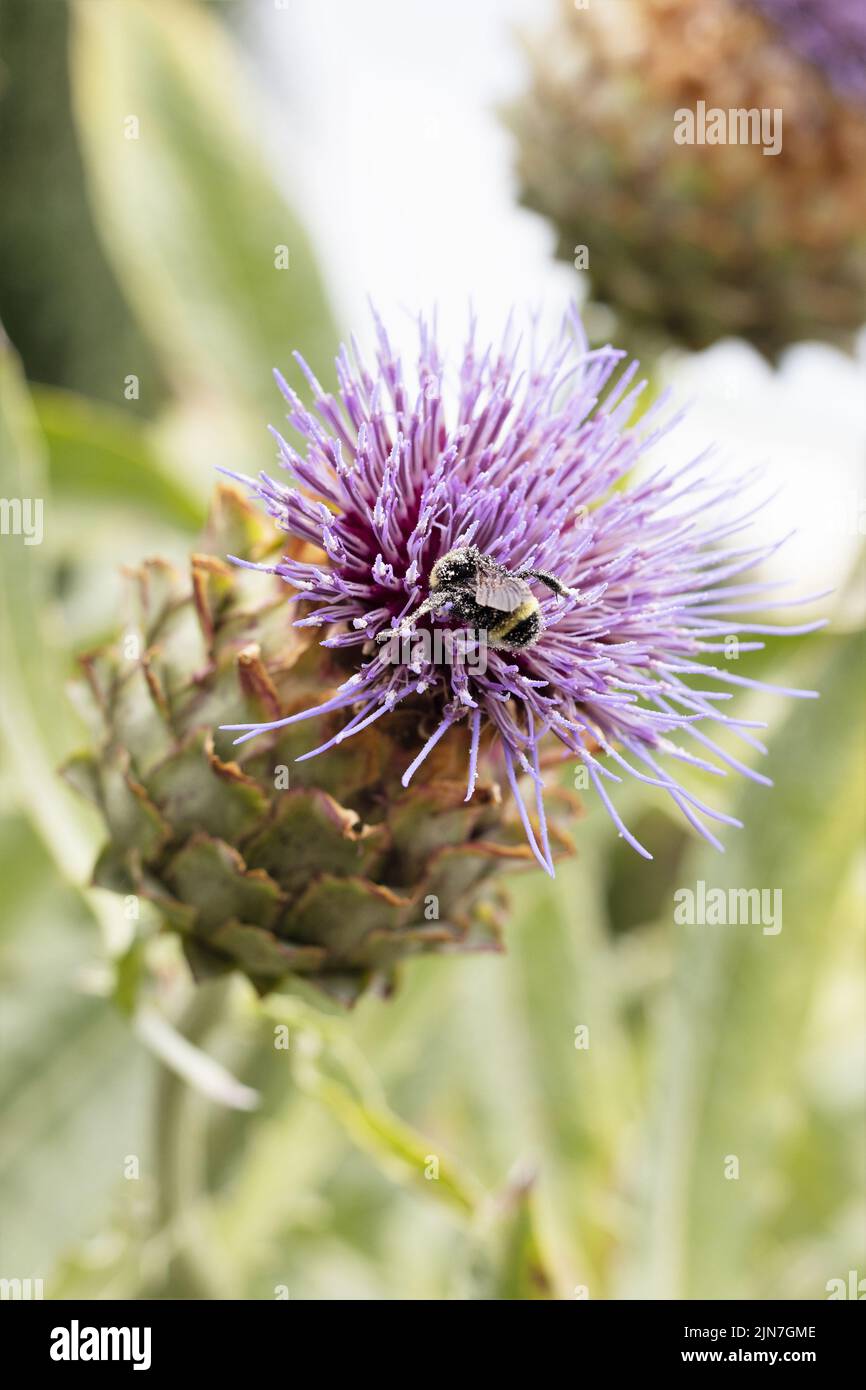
193, 1268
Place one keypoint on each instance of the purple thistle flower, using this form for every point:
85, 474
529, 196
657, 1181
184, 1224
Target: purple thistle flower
527, 466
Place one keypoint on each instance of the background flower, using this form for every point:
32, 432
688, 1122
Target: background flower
690, 243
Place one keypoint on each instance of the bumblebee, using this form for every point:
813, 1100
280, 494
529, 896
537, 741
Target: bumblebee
482, 594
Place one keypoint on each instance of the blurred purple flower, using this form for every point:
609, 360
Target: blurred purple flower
829, 33
527, 466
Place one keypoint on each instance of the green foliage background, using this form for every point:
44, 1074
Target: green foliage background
563, 1171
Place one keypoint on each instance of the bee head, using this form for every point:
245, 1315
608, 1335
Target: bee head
458, 567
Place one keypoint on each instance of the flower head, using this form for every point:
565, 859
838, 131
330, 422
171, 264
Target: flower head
526, 467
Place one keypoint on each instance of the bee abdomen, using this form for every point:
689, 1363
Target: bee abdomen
518, 629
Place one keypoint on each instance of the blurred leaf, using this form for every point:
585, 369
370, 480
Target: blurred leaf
129, 975
733, 1061
301, 1164
70, 1110
639, 889
34, 720
512, 1265
101, 455
189, 212
195, 1067
60, 302
583, 1073
73, 1081
329, 1066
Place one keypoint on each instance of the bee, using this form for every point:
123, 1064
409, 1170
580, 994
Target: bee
483, 594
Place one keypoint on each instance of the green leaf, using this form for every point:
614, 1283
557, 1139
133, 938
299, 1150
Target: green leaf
100, 455
511, 1263
580, 1083
34, 721
130, 972
190, 215
743, 1076
74, 1084
329, 1066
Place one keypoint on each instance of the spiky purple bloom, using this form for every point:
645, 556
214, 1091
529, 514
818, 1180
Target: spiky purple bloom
831, 34
527, 466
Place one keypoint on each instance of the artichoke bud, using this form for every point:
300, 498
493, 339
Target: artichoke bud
689, 243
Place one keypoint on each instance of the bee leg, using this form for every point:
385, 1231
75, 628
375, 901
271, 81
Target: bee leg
551, 581
405, 627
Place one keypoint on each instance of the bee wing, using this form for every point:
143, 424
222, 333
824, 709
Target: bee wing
501, 591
